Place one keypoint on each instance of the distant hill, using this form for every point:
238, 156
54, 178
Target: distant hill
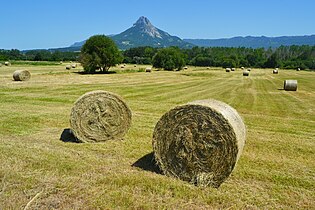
143, 33
255, 42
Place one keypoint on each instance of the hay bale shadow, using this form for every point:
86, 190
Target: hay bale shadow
97, 72
280, 88
148, 163
68, 136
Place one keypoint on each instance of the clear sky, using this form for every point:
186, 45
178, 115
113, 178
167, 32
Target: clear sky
45, 24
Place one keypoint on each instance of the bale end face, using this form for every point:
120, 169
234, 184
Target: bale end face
21, 75
246, 73
290, 85
199, 142
99, 116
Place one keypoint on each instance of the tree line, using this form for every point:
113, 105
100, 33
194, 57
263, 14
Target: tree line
286, 57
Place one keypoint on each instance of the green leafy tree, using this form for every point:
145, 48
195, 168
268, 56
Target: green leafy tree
99, 53
169, 59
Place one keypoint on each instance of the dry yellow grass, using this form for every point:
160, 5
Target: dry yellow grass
275, 171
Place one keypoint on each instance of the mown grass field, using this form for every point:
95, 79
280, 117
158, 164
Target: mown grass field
38, 170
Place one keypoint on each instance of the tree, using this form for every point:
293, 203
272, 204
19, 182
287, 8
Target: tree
99, 52
169, 59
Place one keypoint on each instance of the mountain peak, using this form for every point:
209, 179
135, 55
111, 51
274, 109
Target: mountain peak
143, 21
145, 27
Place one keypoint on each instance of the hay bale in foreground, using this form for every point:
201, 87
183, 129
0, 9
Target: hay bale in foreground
21, 75
100, 116
290, 85
275, 71
199, 142
246, 73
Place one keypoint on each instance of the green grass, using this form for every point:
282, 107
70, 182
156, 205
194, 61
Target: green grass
275, 171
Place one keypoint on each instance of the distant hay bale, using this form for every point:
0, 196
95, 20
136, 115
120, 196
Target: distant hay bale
227, 69
232, 69
298, 69
246, 73
185, 67
242, 68
199, 142
122, 66
74, 65
275, 71
290, 85
148, 69
21, 75
277, 68
208, 67
135, 66
7, 63
249, 69
99, 116
68, 67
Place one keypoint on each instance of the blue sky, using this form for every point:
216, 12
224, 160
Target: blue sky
59, 23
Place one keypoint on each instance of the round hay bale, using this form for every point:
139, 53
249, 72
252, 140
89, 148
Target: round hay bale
68, 67
298, 69
21, 75
249, 69
290, 85
185, 67
208, 67
199, 142
135, 66
232, 69
242, 68
99, 116
227, 69
246, 73
148, 69
122, 66
7, 63
275, 71
74, 65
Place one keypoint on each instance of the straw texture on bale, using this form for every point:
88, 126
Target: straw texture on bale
99, 116
290, 85
199, 142
275, 71
21, 75
148, 69
245, 73
68, 67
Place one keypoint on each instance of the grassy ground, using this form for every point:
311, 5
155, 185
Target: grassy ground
37, 170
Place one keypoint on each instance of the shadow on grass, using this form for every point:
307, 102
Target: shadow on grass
280, 88
97, 72
147, 163
68, 136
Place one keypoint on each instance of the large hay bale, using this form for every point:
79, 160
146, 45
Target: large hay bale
68, 67
227, 69
21, 75
290, 85
275, 71
199, 142
100, 116
246, 73
7, 63
148, 69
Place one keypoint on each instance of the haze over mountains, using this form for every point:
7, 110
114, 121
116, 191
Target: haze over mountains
144, 33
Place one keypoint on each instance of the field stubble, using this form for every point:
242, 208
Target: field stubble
276, 169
